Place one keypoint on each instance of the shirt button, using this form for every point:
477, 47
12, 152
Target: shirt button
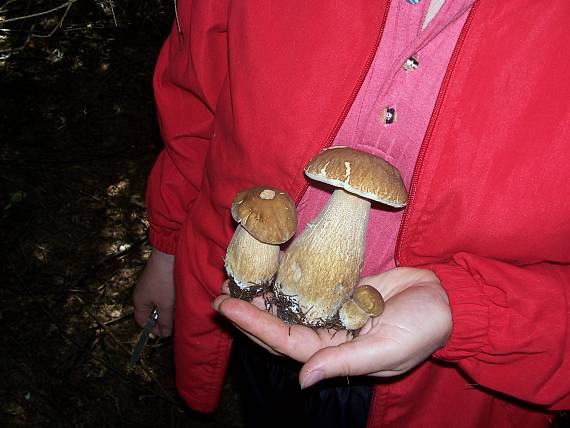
389, 115
411, 63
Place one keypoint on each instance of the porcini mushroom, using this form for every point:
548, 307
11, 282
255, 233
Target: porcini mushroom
366, 302
322, 265
266, 217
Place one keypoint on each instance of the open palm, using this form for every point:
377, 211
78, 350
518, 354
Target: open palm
415, 323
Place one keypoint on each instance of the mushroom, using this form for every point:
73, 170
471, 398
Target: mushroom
322, 265
266, 217
366, 302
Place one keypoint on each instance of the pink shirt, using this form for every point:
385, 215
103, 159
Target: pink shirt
411, 93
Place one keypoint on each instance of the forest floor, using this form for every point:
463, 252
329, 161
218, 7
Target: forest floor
78, 136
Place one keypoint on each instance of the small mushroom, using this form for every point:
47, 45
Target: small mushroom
366, 302
322, 265
266, 217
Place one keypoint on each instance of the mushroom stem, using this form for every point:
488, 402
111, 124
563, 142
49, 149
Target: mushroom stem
250, 263
322, 266
352, 317
366, 302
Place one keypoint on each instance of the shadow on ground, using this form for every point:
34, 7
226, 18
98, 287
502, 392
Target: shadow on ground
78, 137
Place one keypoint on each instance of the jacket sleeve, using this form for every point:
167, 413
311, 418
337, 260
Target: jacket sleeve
511, 326
189, 74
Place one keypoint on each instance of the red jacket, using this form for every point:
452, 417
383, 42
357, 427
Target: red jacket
251, 90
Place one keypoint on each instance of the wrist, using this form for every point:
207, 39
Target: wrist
161, 262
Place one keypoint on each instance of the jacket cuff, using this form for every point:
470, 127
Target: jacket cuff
469, 311
164, 240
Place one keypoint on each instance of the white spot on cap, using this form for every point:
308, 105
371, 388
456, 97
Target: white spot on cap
347, 171
267, 194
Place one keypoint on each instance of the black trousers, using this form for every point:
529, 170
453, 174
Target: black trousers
271, 396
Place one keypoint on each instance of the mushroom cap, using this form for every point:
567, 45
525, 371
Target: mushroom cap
360, 173
267, 213
369, 300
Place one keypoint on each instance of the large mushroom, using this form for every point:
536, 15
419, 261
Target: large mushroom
322, 266
266, 217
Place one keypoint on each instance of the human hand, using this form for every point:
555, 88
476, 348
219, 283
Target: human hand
415, 323
155, 288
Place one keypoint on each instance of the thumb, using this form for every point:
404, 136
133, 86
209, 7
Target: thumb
331, 362
142, 310
352, 358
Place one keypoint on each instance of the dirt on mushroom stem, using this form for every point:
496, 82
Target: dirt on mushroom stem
248, 293
284, 309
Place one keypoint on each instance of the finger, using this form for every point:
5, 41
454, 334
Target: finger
394, 281
347, 359
142, 312
263, 302
259, 342
217, 304
165, 321
298, 342
226, 287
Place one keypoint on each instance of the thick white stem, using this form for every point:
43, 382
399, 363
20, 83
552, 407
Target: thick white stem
249, 261
323, 264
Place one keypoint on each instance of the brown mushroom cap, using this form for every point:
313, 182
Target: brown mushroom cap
267, 213
369, 300
360, 173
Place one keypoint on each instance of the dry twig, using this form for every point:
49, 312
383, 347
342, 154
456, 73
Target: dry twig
45, 12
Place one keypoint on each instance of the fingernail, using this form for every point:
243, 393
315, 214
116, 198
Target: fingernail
312, 378
218, 304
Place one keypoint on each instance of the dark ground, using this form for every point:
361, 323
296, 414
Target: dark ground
78, 136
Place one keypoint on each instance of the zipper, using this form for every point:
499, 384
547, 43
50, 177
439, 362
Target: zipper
425, 143
329, 140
